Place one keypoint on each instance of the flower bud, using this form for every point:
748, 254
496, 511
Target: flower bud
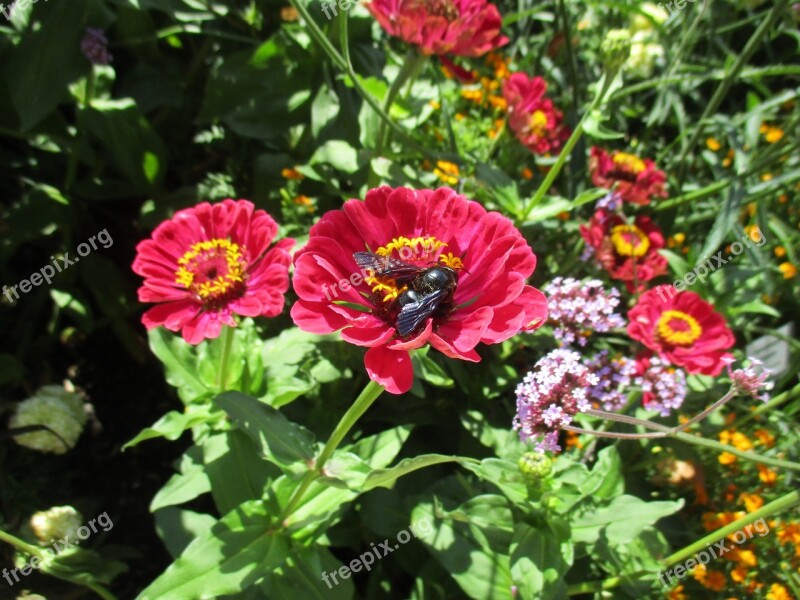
535, 466
616, 48
56, 523
641, 22
56, 408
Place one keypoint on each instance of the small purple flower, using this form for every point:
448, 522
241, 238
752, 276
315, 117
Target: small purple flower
549, 396
664, 386
580, 307
615, 375
610, 202
750, 380
94, 46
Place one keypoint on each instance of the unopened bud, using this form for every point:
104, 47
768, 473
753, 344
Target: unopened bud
56, 523
535, 466
616, 48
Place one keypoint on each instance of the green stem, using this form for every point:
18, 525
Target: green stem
773, 403
411, 63
21, 545
776, 506
225, 359
699, 441
607, 80
724, 86
345, 65
31, 550
353, 414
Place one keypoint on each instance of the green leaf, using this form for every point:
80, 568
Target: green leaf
190, 483
605, 480
504, 474
338, 154
471, 543
236, 471
382, 448
387, 477
132, 147
345, 469
229, 557
537, 563
178, 527
676, 262
594, 127
180, 362
288, 445
48, 58
324, 110
302, 576
622, 520
173, 424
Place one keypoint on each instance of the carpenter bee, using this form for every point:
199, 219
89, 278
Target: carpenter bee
430, 289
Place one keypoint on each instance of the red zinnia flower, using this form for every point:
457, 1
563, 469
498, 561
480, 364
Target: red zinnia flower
490, 258
208, 262
628, 252
531, 116
635, 180
460, 27
682, 328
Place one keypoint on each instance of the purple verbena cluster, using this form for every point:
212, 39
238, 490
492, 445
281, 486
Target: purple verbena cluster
615, 374
580, 307
94, 46
750, 380
549, 395
664, 386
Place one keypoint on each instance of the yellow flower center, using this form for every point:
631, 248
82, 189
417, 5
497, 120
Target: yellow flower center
212, 270
421, 251
629, 240
677, 328
629, 162
538, 123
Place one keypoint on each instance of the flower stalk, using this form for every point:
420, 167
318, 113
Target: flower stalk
353, 414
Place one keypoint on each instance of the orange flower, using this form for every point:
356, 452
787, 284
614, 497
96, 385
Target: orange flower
292, 174
764, 437
715, 581
778, 592
527, 174
726, 458
752, 502
788, 270
677, 594
766, 475
789, 533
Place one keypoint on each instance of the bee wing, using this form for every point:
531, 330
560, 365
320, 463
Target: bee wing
386, 266
412, 315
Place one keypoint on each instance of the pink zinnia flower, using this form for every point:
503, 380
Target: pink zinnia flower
209, 262
459, 27
489, 256
634, 179
682, 328
531, 116
628, 252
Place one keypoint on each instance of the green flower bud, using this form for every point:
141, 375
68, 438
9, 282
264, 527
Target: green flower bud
616, 48
53, 407
535, 466
56, 523
640, 22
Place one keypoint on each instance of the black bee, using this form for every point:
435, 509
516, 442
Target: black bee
430, 289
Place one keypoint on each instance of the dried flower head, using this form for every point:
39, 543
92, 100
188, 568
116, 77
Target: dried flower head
750, 380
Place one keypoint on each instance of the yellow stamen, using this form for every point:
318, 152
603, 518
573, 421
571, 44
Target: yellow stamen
630, 162
629, 240
538, 123
211, 268
677, 328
